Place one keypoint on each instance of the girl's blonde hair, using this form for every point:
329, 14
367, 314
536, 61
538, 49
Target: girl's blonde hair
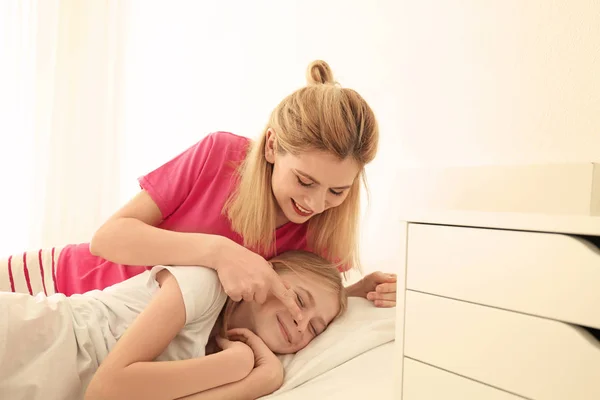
321, 116
302, 263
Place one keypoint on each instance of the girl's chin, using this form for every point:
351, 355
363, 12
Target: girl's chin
284, 351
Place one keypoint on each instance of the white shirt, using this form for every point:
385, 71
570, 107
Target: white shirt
50, 347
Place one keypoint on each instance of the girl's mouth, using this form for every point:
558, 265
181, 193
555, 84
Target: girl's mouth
284, 331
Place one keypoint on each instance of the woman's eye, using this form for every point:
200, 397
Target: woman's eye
336, 193
313, 330
305, 184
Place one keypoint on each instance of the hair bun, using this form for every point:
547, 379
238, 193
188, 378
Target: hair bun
318, 73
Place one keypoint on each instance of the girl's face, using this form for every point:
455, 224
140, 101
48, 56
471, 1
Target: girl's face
274, 324
309, 183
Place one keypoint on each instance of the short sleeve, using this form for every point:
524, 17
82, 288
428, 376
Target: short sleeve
200, 288
170, 184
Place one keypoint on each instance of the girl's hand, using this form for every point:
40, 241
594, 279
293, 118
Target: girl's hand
244, 354
267, 366
237, 346
378, 287
247, 276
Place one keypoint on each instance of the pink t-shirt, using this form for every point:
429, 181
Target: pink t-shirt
190, 191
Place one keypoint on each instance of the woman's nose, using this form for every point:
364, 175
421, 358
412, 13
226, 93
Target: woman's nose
317, 203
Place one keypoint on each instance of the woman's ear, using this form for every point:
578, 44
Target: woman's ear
270, 146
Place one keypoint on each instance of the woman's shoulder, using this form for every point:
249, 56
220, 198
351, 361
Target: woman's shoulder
229, 140
223, 147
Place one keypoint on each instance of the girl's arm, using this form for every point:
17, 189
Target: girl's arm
129, 371
266, 377
131, 237
250, 388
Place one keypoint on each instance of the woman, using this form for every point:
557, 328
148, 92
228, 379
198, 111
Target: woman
229, 204
104, 343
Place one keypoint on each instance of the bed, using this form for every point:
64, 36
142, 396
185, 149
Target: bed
367, 375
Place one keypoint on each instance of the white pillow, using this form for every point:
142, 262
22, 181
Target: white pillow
362, 328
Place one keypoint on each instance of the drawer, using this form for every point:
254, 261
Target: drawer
551, 275
529, 356
424, 382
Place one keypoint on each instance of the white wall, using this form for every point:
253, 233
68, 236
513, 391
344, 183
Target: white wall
488, 82
500, 81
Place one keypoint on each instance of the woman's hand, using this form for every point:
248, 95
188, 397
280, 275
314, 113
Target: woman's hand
267, 366
247, 276
378, 287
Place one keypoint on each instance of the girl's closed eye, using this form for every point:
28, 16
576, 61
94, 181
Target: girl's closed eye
336, 193
300, 301
301, 304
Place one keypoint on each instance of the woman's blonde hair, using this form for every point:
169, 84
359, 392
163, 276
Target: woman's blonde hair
302, 263
321, 116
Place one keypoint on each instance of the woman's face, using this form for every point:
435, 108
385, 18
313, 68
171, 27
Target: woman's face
273, 322
307, 184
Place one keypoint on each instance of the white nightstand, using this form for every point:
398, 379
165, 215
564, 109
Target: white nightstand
500, 305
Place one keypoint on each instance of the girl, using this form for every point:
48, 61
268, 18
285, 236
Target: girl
52, 346
229, 204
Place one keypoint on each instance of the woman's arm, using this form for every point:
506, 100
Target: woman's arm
131, 237
378, 287
129, 371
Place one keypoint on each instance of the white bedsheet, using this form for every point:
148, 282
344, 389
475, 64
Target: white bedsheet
368, 376
348, 344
